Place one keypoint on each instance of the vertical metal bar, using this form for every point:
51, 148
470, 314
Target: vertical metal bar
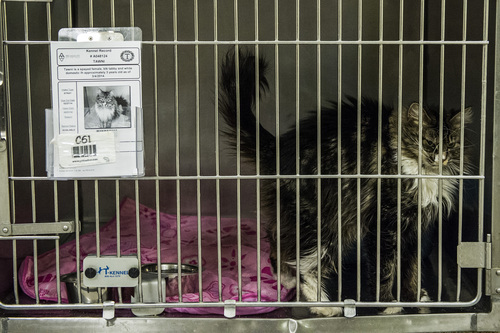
420, 132
157, 149
278, 167
257, 146
440, 181
217, 151
10, 158
97, 229
30, 140
161, 297
238, 144
70, 13
177, 148
379, 144
77, 239
49, 21
483, 138
55, 183
138, 235
9, 210
318, 126
97, 220
462, 141
113, 14
117, 189
118, 228
197, 133
58, 265
91, 13
358, 158
132, 13
400, 110
297, 145
339, 158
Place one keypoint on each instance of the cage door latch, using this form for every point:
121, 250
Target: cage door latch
230, 308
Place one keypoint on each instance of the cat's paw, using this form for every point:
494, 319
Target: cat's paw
288, 281
424, 298
392, 310
327, 311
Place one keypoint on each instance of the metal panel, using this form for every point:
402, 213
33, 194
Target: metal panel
411, 323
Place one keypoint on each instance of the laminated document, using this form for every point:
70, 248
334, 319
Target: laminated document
96, 104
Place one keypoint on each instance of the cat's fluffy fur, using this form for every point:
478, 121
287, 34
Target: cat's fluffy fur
108, 107
345, 190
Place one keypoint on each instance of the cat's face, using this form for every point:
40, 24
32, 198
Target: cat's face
105, 99
432, 155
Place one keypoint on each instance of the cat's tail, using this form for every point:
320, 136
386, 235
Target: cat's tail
228, 104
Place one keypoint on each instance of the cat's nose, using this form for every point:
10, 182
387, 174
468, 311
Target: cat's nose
444, 158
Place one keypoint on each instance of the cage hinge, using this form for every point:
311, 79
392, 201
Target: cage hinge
493, 281
474, 255
349, 308
230, 308
48, 228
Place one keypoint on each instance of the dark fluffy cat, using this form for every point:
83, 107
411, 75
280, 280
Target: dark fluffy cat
108, 107
309, 196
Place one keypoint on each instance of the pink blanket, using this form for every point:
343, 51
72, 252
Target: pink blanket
189, 253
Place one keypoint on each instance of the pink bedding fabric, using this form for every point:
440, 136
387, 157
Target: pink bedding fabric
189, 253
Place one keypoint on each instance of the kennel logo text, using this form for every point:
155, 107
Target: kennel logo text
109, 273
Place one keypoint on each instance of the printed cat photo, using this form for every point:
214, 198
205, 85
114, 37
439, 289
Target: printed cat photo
322, 197
110, 109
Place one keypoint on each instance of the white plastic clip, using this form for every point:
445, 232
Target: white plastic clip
349, 308
108, 310
230, 308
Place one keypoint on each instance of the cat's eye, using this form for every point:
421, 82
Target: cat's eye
427, 143
452, 142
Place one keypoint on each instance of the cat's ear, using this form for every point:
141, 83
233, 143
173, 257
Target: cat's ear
413, 112
456, 120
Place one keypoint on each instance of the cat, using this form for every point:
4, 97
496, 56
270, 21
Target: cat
108, 107
431, 159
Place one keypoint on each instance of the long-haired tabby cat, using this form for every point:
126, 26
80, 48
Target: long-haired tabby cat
108, 107
432, 157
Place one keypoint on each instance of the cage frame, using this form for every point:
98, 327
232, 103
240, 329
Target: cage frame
14, 317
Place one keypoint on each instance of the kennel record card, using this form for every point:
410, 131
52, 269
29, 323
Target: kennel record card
97, 114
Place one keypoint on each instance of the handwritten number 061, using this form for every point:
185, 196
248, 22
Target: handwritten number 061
82, 139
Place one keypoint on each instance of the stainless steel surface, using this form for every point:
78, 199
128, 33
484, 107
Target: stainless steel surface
169, 269
495, 195
4, 186
42, 228
88, 295
410, 323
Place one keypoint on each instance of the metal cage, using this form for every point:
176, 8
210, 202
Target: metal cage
394, 51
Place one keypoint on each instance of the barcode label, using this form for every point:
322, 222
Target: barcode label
84, 151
